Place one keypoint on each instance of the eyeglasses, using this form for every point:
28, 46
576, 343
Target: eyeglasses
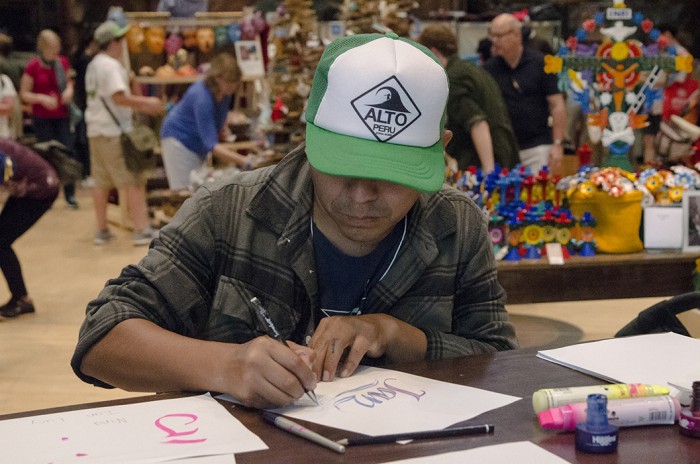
500, 35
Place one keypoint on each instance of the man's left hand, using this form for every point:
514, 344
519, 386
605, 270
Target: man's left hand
340, 342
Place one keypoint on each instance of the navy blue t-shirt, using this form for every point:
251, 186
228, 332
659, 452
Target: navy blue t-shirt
344, 280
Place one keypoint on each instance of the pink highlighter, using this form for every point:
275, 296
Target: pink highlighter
629, 412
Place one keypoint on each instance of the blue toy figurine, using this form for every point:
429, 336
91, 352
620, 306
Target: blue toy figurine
587, 225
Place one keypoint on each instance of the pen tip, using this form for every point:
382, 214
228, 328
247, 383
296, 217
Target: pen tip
312, 395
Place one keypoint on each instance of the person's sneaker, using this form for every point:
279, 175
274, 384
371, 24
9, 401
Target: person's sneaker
72, 202
17, 307
102, 237
144, 237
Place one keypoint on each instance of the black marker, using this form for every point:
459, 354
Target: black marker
272, 331
442, 433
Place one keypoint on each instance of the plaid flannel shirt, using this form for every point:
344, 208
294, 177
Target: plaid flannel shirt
249, 235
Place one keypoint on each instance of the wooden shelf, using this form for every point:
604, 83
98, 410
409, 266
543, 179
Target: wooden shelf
600, 277
167, 80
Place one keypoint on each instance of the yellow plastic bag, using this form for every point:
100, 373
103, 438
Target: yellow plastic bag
618, 219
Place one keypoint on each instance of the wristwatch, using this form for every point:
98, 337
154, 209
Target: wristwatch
558, 142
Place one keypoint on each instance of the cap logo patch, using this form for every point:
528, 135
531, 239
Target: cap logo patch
386, 109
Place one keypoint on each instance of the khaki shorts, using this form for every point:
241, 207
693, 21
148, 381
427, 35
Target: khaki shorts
107, 167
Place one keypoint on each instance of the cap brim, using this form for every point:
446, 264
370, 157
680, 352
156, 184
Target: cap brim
122, 32
419, 168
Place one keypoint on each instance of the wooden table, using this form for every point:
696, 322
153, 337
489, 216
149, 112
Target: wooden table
600, 277
517, 373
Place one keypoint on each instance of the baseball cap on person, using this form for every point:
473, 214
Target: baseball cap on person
377, 111
109, 30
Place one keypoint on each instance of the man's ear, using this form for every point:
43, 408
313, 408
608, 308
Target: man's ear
446, 137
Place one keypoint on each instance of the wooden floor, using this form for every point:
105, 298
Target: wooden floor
64, 270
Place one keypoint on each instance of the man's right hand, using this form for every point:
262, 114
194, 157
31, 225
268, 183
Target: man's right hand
152, 106
265, 373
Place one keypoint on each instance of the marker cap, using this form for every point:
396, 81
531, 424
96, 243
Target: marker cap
561, 418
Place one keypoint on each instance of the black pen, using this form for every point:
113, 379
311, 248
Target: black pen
272, 331
442, 433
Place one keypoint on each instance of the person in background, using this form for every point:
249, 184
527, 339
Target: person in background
10, 63
46, 85
679, 95
352, 242
476, 112
107, 83
532, 96
81, 59
195, 126
33, 186
182, 8
8, 102
483, 49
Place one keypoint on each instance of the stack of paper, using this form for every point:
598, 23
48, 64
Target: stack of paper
662, 359
194, 429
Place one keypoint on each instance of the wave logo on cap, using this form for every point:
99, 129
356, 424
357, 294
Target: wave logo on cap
386, 109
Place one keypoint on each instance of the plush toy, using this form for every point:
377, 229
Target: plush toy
134, 39
220, 36
173, 43
205, 39
234, 32
155, 39
189, 39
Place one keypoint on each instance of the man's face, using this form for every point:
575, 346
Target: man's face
356, 214
504, 37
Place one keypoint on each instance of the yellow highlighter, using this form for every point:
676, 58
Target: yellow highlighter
553, 397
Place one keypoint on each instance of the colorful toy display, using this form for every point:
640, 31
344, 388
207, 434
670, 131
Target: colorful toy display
525, 211
595, 210
613, 80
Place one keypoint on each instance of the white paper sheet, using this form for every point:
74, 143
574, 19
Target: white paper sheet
656, 359
521, 452
218, 459
149, 432
377, 401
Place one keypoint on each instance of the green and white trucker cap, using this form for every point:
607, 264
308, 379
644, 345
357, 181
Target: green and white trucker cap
376, 111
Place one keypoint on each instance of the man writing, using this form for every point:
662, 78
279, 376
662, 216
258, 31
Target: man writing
351, 242
531, 95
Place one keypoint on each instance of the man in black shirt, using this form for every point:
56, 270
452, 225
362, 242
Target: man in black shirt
531, 95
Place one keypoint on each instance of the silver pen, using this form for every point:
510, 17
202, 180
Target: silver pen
272, 331
297, 429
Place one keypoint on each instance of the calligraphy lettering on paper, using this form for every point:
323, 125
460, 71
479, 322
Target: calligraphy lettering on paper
373, 394
170, 422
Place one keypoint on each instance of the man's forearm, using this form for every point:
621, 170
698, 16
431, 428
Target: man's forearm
406, 342
557, 109
481, 137
137, 355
